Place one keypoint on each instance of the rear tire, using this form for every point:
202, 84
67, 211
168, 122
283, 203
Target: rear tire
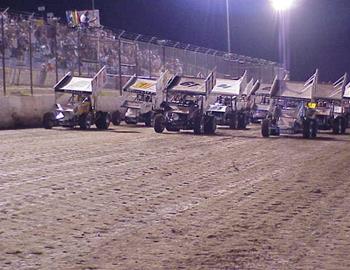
48, 120
116, 118
241, 121
307, 129
339, 125
265, 128
199, 123
103, 120
159, 123
210, 125
232, 121
148, 119
85, 121
313, 129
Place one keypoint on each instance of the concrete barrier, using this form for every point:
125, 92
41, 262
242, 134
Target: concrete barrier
24, 111
28, 111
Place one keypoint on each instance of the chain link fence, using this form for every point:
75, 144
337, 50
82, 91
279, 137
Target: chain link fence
36, 54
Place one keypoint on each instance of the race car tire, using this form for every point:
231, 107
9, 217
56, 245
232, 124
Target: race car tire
116, 118
48, 120
209, 125
198, 127
85, 121
232, 121
313, 128
159, 123
339, 125
344, 125
103, 120
241, 121
307, 129
148, 119
265, 128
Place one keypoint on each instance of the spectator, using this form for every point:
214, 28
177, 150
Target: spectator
85, 19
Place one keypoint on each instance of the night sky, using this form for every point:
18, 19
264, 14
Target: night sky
319, 30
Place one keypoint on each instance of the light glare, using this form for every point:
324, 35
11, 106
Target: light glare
281, 5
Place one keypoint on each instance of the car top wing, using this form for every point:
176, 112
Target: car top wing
347, 91
70, 84
82, 85
141, 85
226, 87
192, 85
329, 91
293, 89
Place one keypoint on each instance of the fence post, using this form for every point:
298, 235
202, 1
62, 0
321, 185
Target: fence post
78, 48
195, 62
149, 57
120, 65
30, 57
136, 40
56, 54
3, 52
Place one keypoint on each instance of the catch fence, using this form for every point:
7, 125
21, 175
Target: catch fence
36, 54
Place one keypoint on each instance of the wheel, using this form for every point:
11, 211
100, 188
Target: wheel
307, 128
241, 121
339, 125
265, 128
198, 128
85, 121
313, 128
116, 118
148, 119
103, 120
232, 121
209, 125
48, 120
344, 125
159, 123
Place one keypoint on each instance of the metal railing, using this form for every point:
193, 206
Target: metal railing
35, 54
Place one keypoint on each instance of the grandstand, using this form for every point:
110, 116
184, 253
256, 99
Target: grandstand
36, 53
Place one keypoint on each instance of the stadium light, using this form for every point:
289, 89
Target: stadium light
228, 27
282, 5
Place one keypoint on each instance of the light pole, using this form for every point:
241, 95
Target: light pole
228, 27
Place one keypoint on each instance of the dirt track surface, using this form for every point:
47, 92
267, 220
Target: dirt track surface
129, 198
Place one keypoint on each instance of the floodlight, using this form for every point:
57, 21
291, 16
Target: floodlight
281, 5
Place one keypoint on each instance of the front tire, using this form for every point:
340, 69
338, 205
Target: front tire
159, 123
116, 118
85, 121
265, 128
